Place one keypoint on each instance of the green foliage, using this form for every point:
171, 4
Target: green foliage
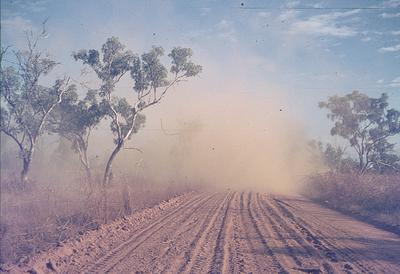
74, 119
333, 157
366, 123
130, 118
25, 103
181, 63
115, 62
110, 65
150, 79
155, 72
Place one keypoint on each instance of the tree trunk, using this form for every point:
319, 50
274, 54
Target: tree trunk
26, 162
88, 174
106, 178
85, 162
107, 172
361, 163
365, 167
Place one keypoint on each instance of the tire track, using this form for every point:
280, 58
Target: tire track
250, 242
275, 263
270, 227
235, 259
244, 232
221, 252
173, 267
179, 233
196, 257
117, 255
311, 254
330, 250
329, 229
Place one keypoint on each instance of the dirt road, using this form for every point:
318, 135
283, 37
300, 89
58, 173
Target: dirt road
248, 232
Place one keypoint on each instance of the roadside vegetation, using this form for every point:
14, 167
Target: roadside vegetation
363, 175
38, 212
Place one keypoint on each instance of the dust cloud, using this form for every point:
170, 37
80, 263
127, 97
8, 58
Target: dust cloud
212, 133
224, 139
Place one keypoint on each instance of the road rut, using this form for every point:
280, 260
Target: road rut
250, 232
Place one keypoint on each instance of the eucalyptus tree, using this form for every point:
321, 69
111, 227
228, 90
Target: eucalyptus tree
75, 120
25, 103
150, 84
367, 124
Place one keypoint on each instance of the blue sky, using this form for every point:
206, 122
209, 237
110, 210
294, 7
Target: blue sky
307, 50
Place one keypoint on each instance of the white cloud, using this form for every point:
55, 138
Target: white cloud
13, 29
263, 14
390, 15
205, 11
395, 83
371, 32
16, 24
393, 48
287, 15
225, 30
326, 24
395, 32
223, 24
317, 5
292, 4
380, 81
392, 3
31, 6
366, 39
23, 8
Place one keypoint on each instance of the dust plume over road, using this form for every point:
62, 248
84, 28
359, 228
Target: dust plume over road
226, 139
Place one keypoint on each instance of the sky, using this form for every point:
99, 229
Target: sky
294, 52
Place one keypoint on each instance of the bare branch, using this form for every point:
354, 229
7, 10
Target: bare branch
164, 131
133, 148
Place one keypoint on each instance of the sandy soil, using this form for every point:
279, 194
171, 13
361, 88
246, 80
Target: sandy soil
231, 232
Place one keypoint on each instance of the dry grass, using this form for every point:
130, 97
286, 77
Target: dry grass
373, 197
36, 219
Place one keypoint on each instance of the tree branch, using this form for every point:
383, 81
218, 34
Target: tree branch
20, 145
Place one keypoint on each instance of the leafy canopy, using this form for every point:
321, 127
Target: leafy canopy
366, 123
74, 119
150, 78
25, 103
